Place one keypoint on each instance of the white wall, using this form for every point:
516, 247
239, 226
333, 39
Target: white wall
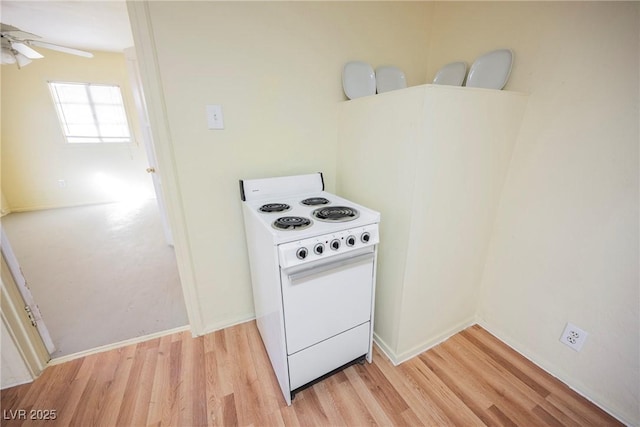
34, 153
275, 67
565, 241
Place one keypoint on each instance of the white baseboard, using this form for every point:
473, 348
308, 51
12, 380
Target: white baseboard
137, 340
397, 359
61, 206
384, 348
214, 328
224, 325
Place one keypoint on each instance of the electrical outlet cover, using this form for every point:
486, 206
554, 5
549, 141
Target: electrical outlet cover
573, 336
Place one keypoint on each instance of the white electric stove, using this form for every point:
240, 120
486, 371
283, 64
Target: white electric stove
313, 262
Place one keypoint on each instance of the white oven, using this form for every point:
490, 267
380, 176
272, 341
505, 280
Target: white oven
313, 262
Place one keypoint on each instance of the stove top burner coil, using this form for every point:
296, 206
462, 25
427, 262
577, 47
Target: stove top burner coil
315, 201
291, 223
274, 207
336, 214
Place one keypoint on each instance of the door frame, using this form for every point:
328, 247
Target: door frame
144, 42
147, 138
24, 334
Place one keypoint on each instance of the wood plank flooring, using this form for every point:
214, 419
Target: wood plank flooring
225, 379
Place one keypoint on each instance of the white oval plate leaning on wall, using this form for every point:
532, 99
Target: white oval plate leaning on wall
358, 79
491, 70
451, 74
390, 78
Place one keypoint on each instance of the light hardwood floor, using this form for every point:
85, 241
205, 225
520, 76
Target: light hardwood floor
225, 378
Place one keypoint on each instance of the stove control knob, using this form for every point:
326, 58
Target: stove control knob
335, 244
365, 237
302, 253
351, 240
318, 249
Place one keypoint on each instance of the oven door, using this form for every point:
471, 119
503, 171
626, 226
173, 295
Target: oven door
326, 298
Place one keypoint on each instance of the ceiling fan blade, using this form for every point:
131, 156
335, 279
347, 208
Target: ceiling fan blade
22, 60
60, 48
26, 50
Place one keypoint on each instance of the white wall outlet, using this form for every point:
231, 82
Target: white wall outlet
62, 183
215, 120
573, 336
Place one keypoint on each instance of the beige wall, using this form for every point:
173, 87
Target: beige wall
565, 241
564, 245
275, 67
34, 153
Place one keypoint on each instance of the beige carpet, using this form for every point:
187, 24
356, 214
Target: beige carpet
100, 274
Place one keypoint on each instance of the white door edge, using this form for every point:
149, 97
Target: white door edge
147, 138
25, 292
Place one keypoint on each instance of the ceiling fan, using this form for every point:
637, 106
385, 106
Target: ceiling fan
16, 47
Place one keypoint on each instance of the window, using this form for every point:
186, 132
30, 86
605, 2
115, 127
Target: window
90, 112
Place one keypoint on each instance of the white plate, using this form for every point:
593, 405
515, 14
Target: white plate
390, 78
451, 74
358, 79
491, 70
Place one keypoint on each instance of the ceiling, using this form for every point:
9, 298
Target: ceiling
81, 24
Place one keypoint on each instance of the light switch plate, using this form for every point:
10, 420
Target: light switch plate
215, 120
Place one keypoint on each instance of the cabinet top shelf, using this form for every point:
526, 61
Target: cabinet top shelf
439, 89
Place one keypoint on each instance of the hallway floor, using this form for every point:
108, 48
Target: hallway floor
100, 274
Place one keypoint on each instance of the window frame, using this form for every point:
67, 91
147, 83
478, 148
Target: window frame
99, 139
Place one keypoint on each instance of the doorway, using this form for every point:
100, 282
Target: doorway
84, 221
100, 274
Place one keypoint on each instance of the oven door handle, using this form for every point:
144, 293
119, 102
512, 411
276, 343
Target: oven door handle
322, 268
